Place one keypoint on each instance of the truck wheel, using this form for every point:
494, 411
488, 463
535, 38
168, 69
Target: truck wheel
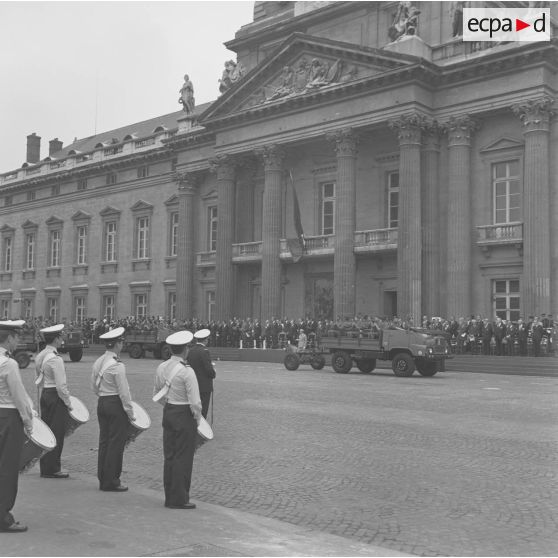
403, 365
23, 359
291, 361
341, 362
318, 363
166, 352
427, 368
76, 355
366, 365
135, 350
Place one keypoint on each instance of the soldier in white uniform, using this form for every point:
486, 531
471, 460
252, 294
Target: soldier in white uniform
16, 419
176, 387
114, 411
55, 398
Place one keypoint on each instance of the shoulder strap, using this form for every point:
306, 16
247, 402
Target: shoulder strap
40, 378
165, 389
106, 365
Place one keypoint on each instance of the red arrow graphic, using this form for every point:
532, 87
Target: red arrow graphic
520, 24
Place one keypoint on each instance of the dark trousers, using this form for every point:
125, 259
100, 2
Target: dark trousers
499, 345
113, 433
536, 346
55, 414
179, 439
12, 437
205, 397
523, 347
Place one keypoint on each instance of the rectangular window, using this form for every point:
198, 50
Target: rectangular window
140, 303
5, 309
171, 305
506, 297
143, 172
27, 305
210, 304
81, 256
55, 190
79, 308
173, 247
31, 195
109, 305
30, 251
212, 228
8, 253
111, 179
393, 199
52, 308
110, 242
506, 192
327, 208
142, 238
82, 184
8, 200
54, 260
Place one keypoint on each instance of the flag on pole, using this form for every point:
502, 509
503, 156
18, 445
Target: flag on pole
296, 245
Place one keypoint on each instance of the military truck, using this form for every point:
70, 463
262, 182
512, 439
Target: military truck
74, 343
27, 345
408, 349
138, 342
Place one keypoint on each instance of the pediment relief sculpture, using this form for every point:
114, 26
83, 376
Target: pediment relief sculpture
233, 72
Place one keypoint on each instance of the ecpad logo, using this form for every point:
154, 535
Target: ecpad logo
506, 24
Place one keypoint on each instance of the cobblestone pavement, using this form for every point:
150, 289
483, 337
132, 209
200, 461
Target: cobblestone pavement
457, 464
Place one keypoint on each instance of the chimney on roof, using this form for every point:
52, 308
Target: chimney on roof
54, 146
33, 148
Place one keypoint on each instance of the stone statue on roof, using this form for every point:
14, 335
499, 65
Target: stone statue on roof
405, 21
233, 72
187, 96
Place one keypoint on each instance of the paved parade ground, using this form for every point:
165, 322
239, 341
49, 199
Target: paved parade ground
458, 464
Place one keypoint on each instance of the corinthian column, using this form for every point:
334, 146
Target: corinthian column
460, 130
185, 264
430, 218
273, 157
344, 263
409, 249
224, 167
535, 115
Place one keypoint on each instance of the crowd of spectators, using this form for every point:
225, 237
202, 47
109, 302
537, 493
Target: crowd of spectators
474, 334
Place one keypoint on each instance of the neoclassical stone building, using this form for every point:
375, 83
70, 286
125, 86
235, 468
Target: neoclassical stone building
425, 169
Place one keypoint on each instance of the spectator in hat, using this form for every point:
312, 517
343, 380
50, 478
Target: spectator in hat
176, 387
114, 411
16, 419
200, 360
55, 398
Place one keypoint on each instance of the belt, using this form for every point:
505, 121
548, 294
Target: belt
177, 405
109, 395
49, 388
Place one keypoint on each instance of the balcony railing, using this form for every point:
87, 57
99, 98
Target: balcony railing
205, 259
247, 251
505, 233
376, 240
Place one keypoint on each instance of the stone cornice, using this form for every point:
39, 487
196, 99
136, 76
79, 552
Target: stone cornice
181, 141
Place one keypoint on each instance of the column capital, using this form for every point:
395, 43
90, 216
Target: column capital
224, 166
460, 130
535, 114
431, 133
187, 181
409, 128
273, 156
345, 142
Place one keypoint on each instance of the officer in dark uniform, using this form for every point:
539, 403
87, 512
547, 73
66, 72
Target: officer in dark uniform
16, 418
55, 399
499, 334
522, 334
114, 411
537, 331
200, 360
176, 387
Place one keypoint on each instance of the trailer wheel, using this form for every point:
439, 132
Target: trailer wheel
166, 352
76, 355
318, 362
366, 365
341, 362
291, 361
403, 365
22, 359
427, 367
135, 350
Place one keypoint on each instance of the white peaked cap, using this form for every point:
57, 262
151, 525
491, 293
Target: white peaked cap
52, 329
202, 334
113, 334
11, 324
179, 338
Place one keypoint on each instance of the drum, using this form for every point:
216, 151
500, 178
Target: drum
41, 441
142, 422
205, 433
77, 416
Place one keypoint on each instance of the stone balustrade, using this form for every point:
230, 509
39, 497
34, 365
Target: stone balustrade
504, 233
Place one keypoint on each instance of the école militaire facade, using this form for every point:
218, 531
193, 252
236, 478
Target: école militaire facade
425, 169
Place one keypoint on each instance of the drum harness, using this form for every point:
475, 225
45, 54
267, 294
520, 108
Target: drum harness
165, 389
39, 380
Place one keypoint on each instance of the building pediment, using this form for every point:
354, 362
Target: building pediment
80, 216
141, 205
109, 210
302, 67
29, 225
6, 229
54, 221
502, 144
173, 200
